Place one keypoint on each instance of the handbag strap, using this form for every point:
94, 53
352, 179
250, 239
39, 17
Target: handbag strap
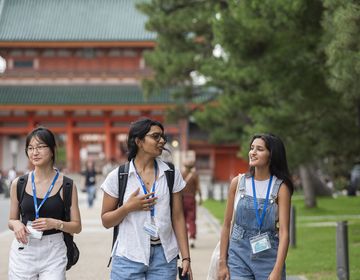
240, 177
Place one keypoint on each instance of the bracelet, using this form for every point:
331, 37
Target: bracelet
186, 259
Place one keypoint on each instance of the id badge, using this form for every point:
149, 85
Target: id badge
36, 234
260, 243
151, 229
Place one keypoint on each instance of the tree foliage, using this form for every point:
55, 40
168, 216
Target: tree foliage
286, 67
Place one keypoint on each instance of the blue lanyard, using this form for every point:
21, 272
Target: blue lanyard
260, 220
37, 209
152, 211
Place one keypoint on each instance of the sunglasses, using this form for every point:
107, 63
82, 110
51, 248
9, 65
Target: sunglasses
157, 136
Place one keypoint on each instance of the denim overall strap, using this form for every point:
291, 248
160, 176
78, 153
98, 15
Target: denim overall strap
241, 183
275, 190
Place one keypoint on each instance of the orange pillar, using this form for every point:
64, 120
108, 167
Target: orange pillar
69, 142
31, 121
108, 137
76, 153
183, 123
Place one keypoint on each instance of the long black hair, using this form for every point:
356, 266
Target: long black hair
139, 129
44, 135
278, 162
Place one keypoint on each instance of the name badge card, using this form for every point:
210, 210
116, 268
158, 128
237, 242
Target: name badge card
36, 234
260, 243
151, 229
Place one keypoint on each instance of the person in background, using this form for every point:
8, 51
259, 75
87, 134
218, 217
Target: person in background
37, 220
109, 166
150, 233
2, 187
11, 175
189, 198
90, 182
258, 244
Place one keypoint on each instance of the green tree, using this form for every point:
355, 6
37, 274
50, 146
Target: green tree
342, 27
271, 75
184, 41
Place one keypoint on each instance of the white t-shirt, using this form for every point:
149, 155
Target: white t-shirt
260, 188
132, 241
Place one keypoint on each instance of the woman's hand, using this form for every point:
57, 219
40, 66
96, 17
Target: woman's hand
43, 224
274, 275
223, 271
21, 232
186, 269
138, 202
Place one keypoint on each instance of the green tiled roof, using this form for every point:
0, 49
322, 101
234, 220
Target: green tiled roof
80, 95
72, 20
88, 95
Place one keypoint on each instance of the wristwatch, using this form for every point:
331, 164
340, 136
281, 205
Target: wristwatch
61, 225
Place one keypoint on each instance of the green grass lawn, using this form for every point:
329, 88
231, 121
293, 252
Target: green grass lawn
315, 252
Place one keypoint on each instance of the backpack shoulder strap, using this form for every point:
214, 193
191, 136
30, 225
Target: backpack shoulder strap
170, 178
122, 177
67, 192
20, 190
20, 187
123, 173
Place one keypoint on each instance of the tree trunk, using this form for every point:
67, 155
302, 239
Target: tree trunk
309, 191
312, 185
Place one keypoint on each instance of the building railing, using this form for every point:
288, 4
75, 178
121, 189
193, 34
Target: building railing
73, 74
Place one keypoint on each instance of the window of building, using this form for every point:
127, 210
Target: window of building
129, 53
203, 161
63, 53
88, 53
48, 53
16, 53
42, 113
23, 63
114, 53
30, 52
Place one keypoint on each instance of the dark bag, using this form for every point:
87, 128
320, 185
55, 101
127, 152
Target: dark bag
123, 176
73, 252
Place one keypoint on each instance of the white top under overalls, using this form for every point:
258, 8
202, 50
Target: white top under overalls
132, 241
260, 188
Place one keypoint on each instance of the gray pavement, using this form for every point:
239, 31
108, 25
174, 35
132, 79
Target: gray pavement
94, 243
4, 212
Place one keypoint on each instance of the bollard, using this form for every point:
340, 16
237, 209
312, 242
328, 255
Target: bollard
292, 227
210, 191
342, 251
222, 186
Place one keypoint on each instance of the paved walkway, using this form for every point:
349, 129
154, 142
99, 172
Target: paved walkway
94, 243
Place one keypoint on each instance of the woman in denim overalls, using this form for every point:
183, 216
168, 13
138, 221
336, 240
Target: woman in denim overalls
257, 246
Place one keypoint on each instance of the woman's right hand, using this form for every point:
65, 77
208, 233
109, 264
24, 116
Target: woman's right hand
138, 202
21, 232
223, 272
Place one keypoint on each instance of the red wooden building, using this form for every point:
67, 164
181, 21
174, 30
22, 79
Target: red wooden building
75, 67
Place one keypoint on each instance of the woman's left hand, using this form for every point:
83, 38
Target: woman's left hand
43, 224
186, 269
274, 276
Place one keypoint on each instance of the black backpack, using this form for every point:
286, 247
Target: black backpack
73, 252
123, 176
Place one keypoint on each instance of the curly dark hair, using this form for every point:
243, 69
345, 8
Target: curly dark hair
139, 129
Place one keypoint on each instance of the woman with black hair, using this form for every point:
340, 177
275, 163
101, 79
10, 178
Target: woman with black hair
150, 233
256, 248
37, 214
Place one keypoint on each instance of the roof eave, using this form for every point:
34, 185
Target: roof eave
76, 44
